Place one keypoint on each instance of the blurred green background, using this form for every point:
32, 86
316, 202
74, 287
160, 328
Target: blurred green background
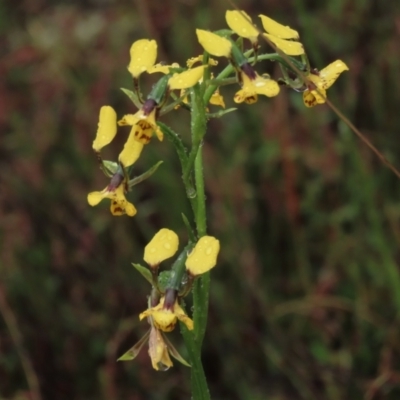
305, 300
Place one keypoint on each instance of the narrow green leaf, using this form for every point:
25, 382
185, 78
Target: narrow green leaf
192, 236
135, 350
174, 352
133, 97
144, 272
109, 167
147, 174
220, 113
175, 139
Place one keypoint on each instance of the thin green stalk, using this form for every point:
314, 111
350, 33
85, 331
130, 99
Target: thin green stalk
198, 379
194, 339
201, 223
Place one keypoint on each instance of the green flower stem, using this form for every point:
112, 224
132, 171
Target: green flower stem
198, 379
201, 223
200, 96
193, 340
201, 290
174, 138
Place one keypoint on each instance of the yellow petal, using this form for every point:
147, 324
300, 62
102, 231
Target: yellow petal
243, 96
313, 97
107, 128
164, 320
143, 56
163, 245
119, 204
191, 61
214, 44
217, 100
309, 99
287, 46
95, 198
330, 73
130, 209
159, 134
158, 351
267, 87
277, 29
143, 132
204, 255
240, 23
129, 119
181, 315
131, 150
186, 79
121, 207
164, 69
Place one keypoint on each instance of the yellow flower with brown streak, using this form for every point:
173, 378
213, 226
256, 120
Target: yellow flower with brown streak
106, 131
165, 315
321, 81
253, 85
115, 191
201, 259
143, 123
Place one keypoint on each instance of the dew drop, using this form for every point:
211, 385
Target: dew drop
153, 250
162, 367
167, 245
208, 251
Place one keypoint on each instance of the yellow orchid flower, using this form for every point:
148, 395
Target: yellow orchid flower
143, 123
322, 81
163, 246
214, 44
115, 191
143, 56
204, 256
107, 128
254, 84
164, 318
241, 24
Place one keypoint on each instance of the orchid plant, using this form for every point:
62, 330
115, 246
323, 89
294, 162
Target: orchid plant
182, 89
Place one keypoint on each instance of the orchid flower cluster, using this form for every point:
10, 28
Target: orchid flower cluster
194, 88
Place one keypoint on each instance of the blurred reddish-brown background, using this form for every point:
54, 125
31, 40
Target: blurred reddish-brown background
305, 300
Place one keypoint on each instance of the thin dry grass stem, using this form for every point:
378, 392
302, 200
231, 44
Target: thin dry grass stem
310, 303
358, 133
12, 326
